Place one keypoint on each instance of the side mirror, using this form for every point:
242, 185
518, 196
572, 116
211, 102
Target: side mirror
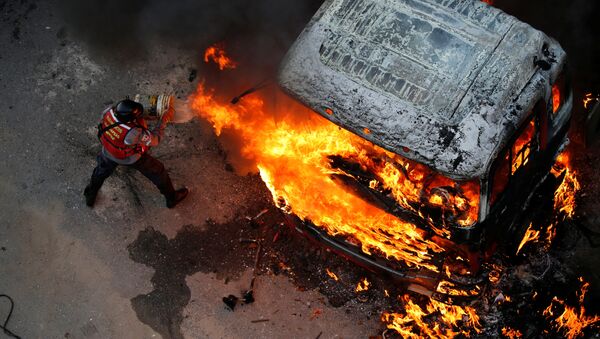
592, 123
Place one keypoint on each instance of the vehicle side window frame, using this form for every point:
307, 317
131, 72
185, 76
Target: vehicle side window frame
537, 115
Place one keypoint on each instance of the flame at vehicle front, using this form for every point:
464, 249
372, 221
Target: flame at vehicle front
292, 153
307, 162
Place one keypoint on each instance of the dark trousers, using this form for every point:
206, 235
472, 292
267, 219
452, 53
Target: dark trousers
147, 165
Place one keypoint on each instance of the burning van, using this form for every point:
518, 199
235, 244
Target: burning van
467, 109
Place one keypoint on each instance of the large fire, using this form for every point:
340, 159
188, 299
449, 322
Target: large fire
307, 164
293, 149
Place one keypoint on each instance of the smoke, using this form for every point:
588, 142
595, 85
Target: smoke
257, 32
183, 112
576, 27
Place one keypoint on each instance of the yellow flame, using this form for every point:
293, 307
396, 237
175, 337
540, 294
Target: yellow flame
435, 320
292, 156
446, 287
572, 320
531, 235
511, 333
332, 275
363, 285
588, 99
216, 53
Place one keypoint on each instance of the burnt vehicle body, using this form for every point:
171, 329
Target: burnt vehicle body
460, 87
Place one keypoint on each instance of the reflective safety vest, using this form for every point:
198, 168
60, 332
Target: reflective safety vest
112, 132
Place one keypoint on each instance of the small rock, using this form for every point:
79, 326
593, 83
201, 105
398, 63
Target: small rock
230, 301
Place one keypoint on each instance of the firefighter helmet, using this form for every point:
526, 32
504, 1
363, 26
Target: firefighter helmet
128, 110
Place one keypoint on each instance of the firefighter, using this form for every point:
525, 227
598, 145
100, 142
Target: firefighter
125, 140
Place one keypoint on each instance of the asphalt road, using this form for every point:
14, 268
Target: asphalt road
130, 268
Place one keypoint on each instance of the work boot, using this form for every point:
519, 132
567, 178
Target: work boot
179, 195
90, 195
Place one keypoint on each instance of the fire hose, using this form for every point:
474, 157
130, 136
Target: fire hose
266, 82
4, 326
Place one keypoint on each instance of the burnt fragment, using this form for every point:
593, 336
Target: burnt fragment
193, 74
447, 135
248, 297
457, 161
230, 301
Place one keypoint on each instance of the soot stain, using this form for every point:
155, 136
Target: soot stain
213, 248
216, 248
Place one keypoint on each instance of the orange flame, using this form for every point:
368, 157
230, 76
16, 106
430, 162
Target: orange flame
216, 53
362, 285
530, 235
571, 321
292, 154
589, 97
556, 98
435, 320
332, 275
511, 333
564, 196
522, 147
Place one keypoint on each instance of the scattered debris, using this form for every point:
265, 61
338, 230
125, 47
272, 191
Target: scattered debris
254, 220
230, 301
332, 275
193, 74
276, 237
316, 313
248, 297
259, 321
261, 213
363, 285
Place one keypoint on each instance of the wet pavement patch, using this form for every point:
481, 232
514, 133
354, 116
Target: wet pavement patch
211, 248
224, 249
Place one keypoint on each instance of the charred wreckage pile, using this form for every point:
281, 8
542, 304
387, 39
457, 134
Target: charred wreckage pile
437, 158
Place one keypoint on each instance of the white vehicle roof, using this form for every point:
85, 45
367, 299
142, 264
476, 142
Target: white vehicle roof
432, 80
